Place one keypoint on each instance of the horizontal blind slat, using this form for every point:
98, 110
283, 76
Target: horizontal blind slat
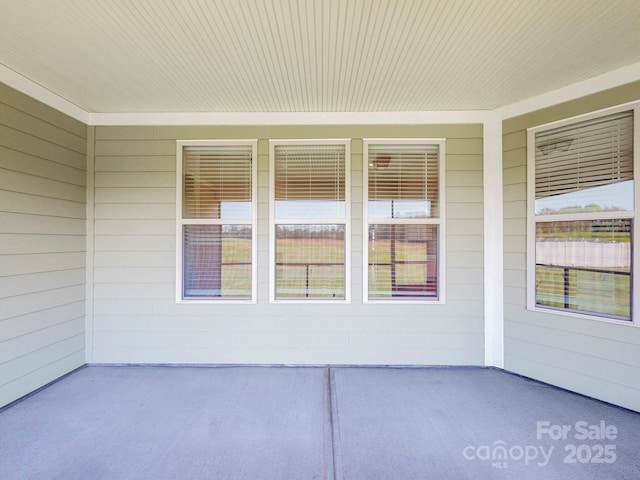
305, 172
584, 155
215, 176
404, 172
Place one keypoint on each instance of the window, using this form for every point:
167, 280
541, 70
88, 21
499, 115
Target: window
581, 210
216, 247
310, 220
404, 212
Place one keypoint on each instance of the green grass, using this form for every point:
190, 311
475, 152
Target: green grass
324, 281
236, 250
379, 275
314, 250
380, 251
236, 279
602, 293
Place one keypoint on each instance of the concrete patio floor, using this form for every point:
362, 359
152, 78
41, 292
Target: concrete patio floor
149, 422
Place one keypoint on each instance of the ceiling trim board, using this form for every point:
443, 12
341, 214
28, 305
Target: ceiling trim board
606, 81
24, 85
289, 118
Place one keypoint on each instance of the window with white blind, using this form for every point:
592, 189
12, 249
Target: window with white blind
404, 219
581, 215
309, 220
216, 247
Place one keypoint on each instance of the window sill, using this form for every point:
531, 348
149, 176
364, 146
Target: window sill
402, 301
582, 316
200, 301
316, 301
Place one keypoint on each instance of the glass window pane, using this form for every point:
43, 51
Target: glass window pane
585, 266
310, 261
379, 209
607, 198
403, 261
217, 182
217, 261
309, 209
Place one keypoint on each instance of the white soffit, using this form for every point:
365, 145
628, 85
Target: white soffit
160, 57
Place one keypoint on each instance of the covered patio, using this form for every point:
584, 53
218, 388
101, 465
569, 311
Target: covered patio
326, 239
163, 422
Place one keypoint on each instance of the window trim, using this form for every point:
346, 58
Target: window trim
440, 221
329, 221
532, 219
180, 222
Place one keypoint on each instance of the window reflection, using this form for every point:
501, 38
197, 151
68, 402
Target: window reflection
399, 209
585, 266
309, 209
606, 198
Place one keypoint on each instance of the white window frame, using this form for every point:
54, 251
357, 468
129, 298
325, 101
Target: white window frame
180, 222
532, 218
440, 221
273, 143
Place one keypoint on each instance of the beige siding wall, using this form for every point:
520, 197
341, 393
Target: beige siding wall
592, 357
42, 244
136, 318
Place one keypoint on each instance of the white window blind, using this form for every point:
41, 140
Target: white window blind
403, 181
217, 181
309, 181
216, 249
577, 164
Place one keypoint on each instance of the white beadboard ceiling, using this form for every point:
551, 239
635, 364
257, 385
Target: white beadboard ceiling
313, 56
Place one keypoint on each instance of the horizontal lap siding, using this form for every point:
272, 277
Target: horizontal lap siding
136, 318
591, 357
42, 244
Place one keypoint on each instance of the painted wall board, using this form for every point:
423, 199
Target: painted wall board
42, 244
136, 318
592, 357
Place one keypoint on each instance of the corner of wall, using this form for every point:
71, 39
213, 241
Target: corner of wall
91, 133
493, 243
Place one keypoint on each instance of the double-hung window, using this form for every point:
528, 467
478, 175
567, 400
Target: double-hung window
582, 196
216, 211
404, 219
309, 209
